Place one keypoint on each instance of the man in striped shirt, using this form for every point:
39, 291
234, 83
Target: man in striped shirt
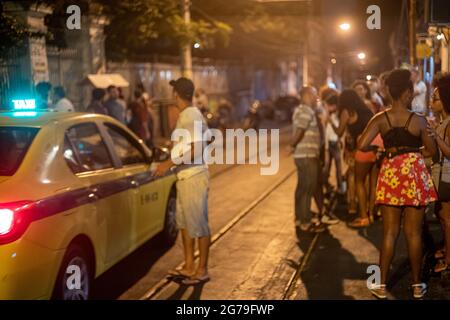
305, 146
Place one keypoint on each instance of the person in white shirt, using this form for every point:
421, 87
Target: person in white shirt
418, 104
192, 183
333, 142
60, 102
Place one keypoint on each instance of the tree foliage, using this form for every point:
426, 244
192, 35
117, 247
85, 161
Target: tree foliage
139, 28
136, 24
13, 31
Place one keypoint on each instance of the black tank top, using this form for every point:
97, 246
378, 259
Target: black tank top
400, 137
358, 127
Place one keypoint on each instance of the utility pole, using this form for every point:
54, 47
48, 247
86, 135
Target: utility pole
186, 48
412, 32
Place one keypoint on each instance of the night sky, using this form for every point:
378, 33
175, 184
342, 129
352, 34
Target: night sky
374, 42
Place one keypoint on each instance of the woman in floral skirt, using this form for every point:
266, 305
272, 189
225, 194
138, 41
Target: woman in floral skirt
404, 184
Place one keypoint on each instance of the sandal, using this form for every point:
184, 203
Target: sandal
379, 291
177, 273
317, 228
440, 254
419, 290
193, 281
441, 266
359, 223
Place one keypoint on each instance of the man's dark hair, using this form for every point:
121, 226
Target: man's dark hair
98, 93
184, 88
399, 81
442, 83
332, 100
365, 85
59, 91
110, 88
43, 88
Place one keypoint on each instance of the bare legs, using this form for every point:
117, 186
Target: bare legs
391, 228
189, 251
362, 170
351, 188
444, 216
413, 233
373, 188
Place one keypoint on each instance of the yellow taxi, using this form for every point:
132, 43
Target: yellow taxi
76, 196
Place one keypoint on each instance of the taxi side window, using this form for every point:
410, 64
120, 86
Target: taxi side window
71, 157
127, 148
90, 149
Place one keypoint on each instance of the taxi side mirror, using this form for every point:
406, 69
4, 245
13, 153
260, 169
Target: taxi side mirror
160, 154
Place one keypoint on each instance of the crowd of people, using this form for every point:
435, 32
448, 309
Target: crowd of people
137, 114
396, 150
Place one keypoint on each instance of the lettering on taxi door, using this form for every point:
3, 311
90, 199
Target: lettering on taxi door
149, 197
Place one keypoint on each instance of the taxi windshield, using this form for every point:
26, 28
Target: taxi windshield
14, 144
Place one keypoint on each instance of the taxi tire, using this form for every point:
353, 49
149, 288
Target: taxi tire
169, 235
75, 250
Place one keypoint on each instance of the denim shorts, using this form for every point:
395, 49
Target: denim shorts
192, 204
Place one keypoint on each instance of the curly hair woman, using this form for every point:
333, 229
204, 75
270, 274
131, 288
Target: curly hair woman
404, 184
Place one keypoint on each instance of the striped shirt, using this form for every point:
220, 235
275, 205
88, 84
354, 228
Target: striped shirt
304, 117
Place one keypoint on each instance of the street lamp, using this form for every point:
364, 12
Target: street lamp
345, 26
361, 56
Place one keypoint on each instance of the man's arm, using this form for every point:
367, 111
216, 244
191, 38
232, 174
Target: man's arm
298, 136
164, 166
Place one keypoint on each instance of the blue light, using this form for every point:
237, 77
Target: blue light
24, 104
24, 114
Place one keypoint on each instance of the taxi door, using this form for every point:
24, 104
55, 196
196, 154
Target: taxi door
148, 193
109, 189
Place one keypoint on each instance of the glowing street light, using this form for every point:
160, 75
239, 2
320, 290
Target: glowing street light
197, 45
345, 26
361, 56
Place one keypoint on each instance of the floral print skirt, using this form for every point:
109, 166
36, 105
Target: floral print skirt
405, 181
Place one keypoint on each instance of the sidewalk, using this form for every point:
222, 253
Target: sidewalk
257, 259
338, 267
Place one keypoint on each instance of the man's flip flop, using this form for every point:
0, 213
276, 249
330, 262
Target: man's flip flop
176, 274
195, 281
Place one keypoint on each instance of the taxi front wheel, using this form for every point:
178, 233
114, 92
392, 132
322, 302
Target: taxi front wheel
170, 231
75, 277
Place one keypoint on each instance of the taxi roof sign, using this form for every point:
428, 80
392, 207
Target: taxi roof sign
24, 104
